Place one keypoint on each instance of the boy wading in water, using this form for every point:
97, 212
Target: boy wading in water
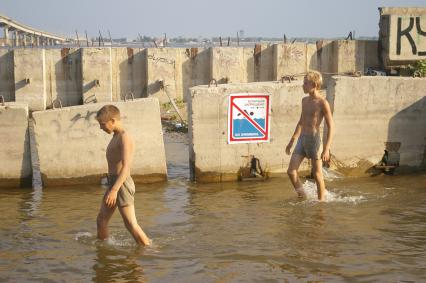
121, 190
314, 109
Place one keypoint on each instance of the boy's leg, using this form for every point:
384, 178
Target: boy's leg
319, 179
102, 220
294, 165
129, 218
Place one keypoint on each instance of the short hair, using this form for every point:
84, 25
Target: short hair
315, 77
108, 112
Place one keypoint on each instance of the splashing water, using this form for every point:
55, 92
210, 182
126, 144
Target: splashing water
310, 189
331, 174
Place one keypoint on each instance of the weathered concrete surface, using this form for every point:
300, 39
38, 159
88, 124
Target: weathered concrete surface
322, 57
195, 69
263, 63
30, 77
402, 35
290, 59
212, 159
7, 81
232, 64
71, 147
165, 64
97, 74
356, 55
370, 111
128, 73
15, 158
63, 77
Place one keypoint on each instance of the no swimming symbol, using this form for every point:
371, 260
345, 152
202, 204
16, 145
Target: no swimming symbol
248, 118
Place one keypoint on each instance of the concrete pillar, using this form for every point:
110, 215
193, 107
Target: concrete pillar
37, 40
24, 39
6, 34
16, 38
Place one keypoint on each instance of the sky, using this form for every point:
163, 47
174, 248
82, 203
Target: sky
191, 18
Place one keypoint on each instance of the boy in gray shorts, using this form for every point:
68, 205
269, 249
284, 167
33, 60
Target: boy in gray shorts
314, 109
121, 191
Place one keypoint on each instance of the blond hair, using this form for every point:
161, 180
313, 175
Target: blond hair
108, 112
315, 77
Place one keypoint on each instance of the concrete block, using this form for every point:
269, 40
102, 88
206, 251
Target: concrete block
322, 57
212, 159
128, 73
71, 147
370, 111
195, 69
97, 74
165, 64
289, 59
64, 78
402, 35
30, 77
350, 56
263, 63
15, 157
232, 64
7, 80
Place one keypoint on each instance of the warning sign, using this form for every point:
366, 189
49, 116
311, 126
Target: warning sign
248, 118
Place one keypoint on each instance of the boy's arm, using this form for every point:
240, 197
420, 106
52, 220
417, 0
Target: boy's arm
325, 156
126, 157
296, 134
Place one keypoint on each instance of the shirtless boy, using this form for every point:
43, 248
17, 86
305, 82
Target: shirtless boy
121, 190
314, 109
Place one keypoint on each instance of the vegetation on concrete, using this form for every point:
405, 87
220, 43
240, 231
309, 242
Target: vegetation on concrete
418, 69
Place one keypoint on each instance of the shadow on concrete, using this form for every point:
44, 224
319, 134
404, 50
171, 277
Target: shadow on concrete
21, 84
69, 80
26, 167
263, 63
195, 70
324, 59
7, 76
408, 127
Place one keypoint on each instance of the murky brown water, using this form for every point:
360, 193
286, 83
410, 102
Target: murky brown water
369, 230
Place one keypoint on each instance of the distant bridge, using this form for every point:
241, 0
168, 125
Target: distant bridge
23, 35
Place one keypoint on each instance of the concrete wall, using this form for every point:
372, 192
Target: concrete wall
7, 80
195, 69
128, 73
165, 64
15, 158
212, 159
96, 67
370, 111
290, 59
71, 147
327, 57
30, 77
63, 77
402, 35
263, 62
232, 64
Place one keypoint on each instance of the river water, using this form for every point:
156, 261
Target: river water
368, 230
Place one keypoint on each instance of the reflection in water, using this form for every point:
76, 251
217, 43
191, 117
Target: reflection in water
115, 265
369, 229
